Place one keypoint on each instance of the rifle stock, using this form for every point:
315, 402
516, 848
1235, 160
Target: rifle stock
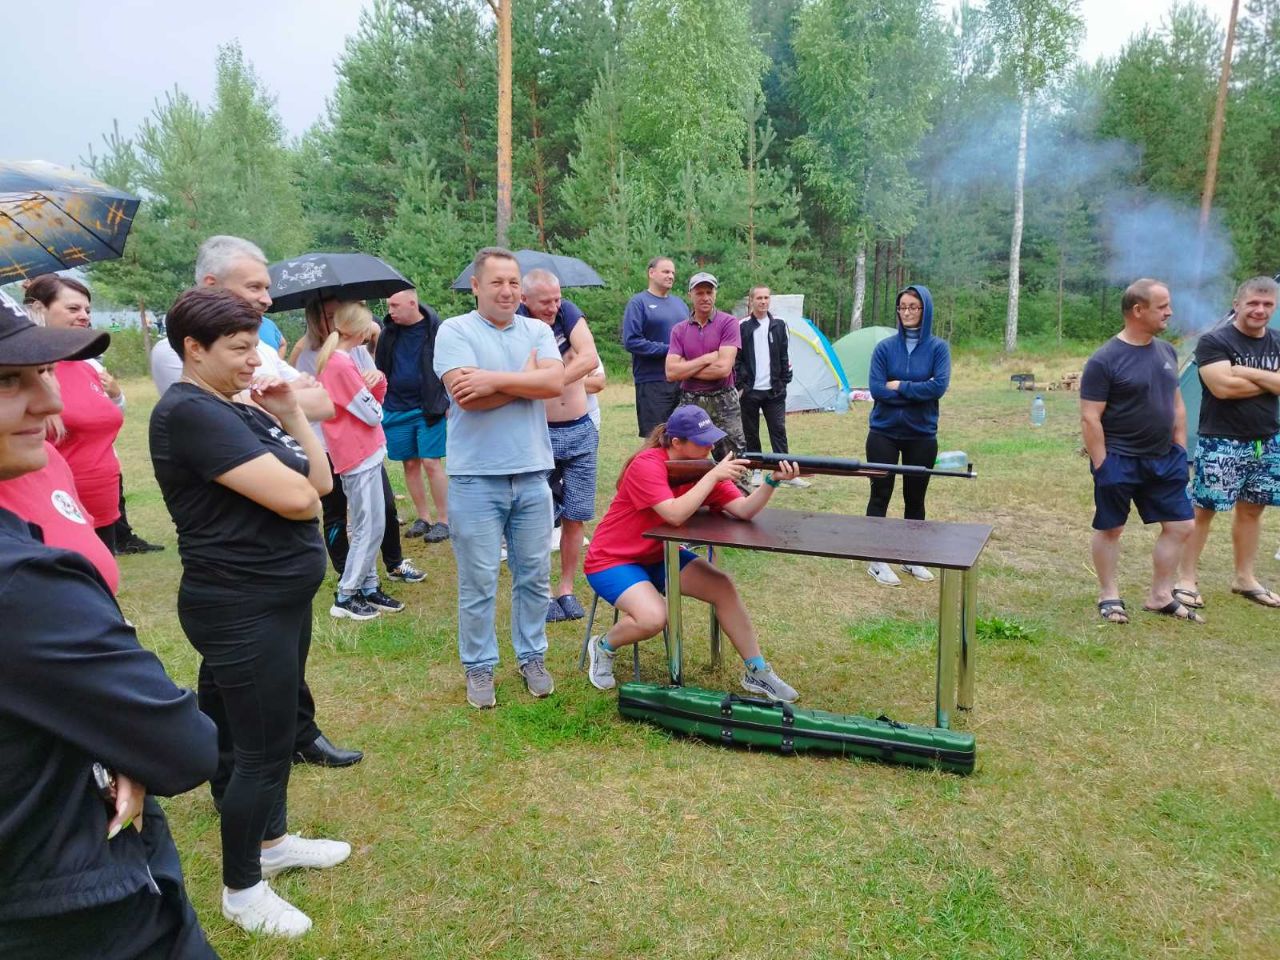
690, 471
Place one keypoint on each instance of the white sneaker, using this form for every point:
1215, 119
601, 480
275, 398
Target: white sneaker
502, 553
268, 913
555, 539
798, 483
295, 851
917, 571
883, 574
1278, 554
757, 477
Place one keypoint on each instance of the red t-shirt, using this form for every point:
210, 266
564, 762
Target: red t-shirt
47, 498
92, 423
355, 432
620, 536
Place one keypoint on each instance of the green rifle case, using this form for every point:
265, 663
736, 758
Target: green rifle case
745, 721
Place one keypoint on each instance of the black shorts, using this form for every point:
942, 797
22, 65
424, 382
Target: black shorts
1157, 486
655, 401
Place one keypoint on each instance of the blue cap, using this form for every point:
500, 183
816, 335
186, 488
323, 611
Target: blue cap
691, 422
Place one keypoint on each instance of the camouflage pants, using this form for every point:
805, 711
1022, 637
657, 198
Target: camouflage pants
726, 413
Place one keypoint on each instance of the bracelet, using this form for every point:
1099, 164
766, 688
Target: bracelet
772, 482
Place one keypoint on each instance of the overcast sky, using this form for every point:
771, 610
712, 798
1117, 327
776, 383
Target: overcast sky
71, 67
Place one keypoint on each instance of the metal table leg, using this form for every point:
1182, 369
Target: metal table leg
949, 628
674, 627
715, 621
968, 637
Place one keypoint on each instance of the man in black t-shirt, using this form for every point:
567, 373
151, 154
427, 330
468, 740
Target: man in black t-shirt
1135, 431
1238, 456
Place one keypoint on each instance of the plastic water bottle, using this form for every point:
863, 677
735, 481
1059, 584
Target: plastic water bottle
952, 460
1037, 411
842, 401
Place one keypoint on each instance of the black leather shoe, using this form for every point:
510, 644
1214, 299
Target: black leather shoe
322, 753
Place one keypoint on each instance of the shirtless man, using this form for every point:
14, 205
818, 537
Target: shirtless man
574, 438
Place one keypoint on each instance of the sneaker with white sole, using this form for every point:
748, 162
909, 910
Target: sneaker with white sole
767, 683
267, 913
480, 692
884, 574
923, 574
381, 601
536, 678
600, 664
757, 477
296, 852
353, 608
406, 572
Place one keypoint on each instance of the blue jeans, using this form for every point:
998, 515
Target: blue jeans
481, 510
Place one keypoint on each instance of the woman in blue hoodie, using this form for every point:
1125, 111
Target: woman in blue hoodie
909, 373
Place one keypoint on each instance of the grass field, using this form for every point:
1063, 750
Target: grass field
1125, 803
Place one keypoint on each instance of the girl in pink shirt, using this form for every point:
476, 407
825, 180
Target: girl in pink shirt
357, 448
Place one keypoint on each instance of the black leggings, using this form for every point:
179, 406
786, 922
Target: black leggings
919, 452
251, 644
334, 504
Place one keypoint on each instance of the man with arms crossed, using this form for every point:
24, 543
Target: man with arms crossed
1135, 432
646, 333
497, 366
1238, 457
574, 437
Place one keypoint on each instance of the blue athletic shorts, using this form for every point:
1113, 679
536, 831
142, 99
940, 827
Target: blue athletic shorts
1157, 486
613, 582
1228, 470
409, 437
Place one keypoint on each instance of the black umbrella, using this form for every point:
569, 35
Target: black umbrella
341, 276
571, 271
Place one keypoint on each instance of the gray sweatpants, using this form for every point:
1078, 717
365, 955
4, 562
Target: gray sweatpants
366, 521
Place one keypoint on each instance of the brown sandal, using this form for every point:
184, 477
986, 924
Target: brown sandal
1177, 611
1113, 611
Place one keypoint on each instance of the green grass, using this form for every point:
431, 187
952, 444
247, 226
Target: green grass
1125, 803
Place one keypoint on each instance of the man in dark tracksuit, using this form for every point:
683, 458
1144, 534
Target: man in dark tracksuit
76, 688
763, 379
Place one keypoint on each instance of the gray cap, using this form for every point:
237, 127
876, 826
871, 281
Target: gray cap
703, 277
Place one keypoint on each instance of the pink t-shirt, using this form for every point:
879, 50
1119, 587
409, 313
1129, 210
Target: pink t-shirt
619, 538
690, 341
355, 433
92, 423
47, 498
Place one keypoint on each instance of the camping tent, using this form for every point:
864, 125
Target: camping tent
817, 378
1189, 380
854, 350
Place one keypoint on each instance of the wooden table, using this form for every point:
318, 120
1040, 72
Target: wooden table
954, 548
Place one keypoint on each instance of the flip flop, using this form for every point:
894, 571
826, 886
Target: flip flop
1110, 610
1259, 595
1189, 597
1176, 611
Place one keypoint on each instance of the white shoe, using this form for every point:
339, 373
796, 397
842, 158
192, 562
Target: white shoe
295, 851
555, 539
757, 477
798, 483
1278, 554
917, 571
883, 574
268, 913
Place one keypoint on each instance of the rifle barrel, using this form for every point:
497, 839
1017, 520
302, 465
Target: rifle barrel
825, 466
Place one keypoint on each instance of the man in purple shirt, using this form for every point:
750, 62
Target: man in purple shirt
700, 358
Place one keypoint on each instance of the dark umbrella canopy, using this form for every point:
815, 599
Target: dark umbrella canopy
52, 218
571, 271
343, 276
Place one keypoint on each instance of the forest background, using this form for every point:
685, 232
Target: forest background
834, 148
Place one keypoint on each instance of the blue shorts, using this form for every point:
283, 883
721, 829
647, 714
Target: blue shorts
1228, 470
613, 582
410, 438
1157, 486
573, 481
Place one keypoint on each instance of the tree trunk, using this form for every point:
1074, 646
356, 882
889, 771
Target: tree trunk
902, 264
1015, 241
503, 219
859, 285
1062, 269
890, 274
1215, 140
144, 327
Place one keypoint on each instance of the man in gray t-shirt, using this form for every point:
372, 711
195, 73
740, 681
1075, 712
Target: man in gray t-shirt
498, 367
1135, 432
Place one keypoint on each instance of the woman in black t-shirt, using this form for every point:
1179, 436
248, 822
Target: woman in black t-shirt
243, 484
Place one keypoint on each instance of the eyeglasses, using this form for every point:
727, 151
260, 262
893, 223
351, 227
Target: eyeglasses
908, 309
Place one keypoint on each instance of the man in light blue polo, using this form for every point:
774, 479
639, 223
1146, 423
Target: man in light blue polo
498, 367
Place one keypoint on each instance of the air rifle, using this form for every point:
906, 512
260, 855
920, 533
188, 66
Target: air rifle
690, 471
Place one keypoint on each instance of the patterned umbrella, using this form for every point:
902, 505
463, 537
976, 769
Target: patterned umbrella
343, 276
52, 218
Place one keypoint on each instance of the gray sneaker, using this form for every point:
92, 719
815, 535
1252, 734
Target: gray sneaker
768, 684
600, 669
480, 688
536, 678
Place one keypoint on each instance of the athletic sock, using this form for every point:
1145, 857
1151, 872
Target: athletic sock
240, 898
755, 663
604, 645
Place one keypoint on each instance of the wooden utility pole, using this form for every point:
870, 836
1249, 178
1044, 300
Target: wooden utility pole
1215, 133
502, 13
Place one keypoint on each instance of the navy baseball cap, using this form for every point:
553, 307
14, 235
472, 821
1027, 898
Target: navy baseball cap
691, 422
25, 344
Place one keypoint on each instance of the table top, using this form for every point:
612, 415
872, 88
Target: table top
929, 543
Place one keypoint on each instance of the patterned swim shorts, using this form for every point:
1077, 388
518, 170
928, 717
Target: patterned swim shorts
1228, 470
573, 482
